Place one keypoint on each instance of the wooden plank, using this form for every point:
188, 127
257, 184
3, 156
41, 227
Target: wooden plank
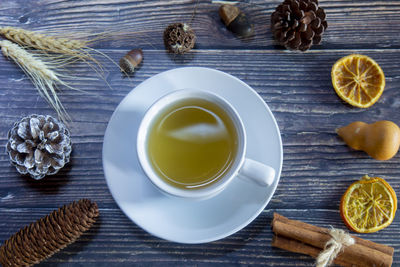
352, 24
116, 240
317, 166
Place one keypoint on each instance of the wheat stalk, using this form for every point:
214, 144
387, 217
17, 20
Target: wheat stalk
45, 42
70, 50
43, 75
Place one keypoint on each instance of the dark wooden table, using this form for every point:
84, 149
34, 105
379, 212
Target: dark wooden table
317, 166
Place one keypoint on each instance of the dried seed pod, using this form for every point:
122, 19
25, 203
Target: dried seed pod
131, 60
236, 21
179, 38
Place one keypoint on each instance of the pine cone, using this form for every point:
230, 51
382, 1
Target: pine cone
179, 38
298, 24
39, 145
41, 239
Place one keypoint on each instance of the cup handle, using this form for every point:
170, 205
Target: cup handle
257, 172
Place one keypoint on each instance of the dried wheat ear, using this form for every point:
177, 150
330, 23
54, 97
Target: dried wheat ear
44, 42
43, 75
52, 54
70, 50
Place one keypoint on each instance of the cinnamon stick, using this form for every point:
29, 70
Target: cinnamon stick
298, 247
356, 254
380, 247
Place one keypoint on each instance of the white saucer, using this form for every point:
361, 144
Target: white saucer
175, 219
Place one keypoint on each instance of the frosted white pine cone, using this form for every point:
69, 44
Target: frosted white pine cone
39, 145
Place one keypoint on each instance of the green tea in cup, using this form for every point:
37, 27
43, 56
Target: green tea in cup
192, 143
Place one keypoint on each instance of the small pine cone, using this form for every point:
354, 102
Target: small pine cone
179, 38
39, 145
48, 235
298, 24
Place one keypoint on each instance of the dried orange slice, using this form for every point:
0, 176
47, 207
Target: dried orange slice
368, 205
358, 80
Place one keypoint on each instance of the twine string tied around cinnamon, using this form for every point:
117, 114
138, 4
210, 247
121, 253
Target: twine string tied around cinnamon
334, 246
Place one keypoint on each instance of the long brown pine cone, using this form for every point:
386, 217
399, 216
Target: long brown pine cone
298, 24
41, 239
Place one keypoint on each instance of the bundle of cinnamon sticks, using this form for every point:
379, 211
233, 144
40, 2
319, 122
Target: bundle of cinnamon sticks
300, 237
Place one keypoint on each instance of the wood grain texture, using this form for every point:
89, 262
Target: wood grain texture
351, 24
297, 87
115, 240
317, 165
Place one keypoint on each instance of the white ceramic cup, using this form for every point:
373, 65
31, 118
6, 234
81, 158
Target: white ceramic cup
242, 167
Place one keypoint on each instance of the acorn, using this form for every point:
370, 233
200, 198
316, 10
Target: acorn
236, 21
131, 60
